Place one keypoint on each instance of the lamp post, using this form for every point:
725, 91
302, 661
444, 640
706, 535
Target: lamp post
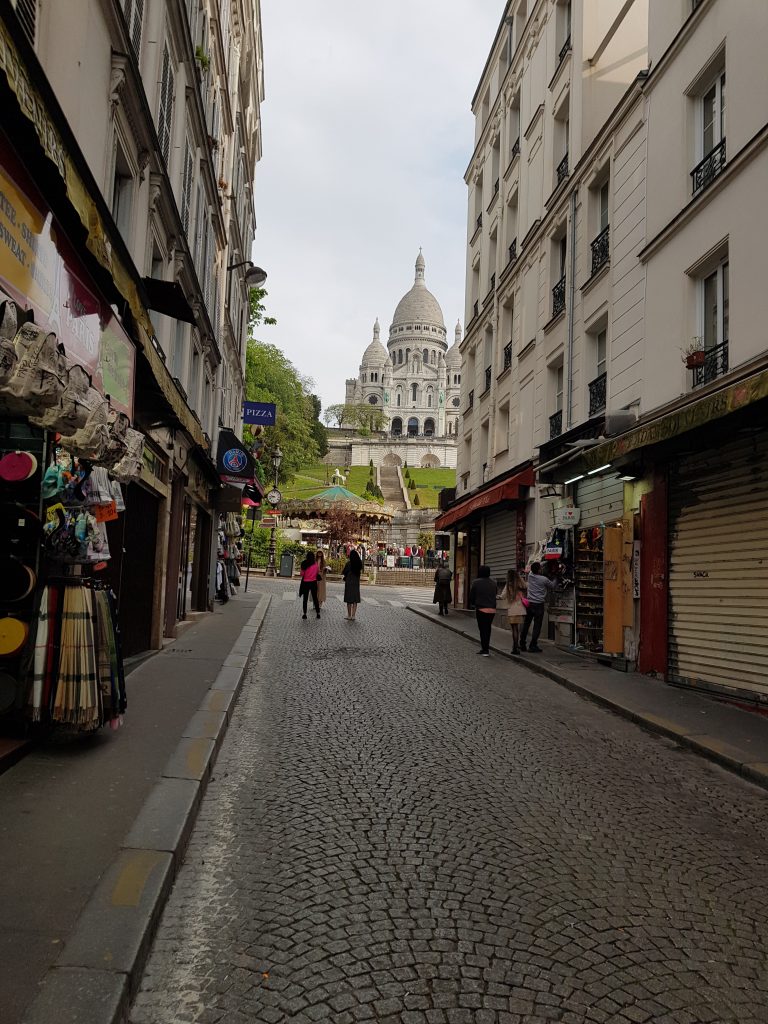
274, 498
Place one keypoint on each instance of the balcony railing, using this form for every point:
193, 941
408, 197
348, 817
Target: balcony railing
493, 282
597, 391
564, 50
513, 251
488, 375
556, 424
515, 148
479, 222
476, 309
558, 297
562, 170
714, 366
471, 399
704, 173
496, 187
601, 249
507, 356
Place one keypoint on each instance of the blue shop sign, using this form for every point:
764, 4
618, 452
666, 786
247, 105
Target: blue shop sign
260, 412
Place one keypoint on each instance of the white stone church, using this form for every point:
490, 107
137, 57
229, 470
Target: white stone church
416, 381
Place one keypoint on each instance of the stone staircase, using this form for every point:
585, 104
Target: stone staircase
390, 488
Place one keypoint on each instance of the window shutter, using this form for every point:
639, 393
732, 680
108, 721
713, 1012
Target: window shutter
26, 12
134, 15
165, 115
186, 186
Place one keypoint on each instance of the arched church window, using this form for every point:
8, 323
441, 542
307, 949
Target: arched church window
399, 355
397, 426
429, 399
407, 354
433, 360
413, 427
456, 402
397, 400
426, 355
414, 391
372, 400
394, 358
429, 427
363, 376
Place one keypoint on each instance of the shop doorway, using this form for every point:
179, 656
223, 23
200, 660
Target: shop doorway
137, 571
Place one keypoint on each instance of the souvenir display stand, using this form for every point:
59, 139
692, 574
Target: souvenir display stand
64, 452
229, 556
589, 588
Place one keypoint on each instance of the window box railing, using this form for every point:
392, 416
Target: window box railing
558, 297
601, 249
705, 172
515, 148
507, 356
562, 170
556, 424
597, 394
488, 375
564, 51
471, 399
715, 365
513, 251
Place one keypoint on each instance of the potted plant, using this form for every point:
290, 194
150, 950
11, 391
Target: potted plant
694, 355
202, 58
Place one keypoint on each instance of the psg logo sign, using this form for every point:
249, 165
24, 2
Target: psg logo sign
234, 460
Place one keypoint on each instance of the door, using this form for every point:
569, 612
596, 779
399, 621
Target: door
137, 583
500, 543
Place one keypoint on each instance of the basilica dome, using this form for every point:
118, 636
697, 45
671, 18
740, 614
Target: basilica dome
417, 306
375, 354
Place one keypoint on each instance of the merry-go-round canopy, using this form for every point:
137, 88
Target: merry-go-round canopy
333, 498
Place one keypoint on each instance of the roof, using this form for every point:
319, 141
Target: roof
335, 493
418, 304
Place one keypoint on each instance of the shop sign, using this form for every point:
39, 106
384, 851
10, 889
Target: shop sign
38, 270
260, 412
636, 569
234, 462
567, 516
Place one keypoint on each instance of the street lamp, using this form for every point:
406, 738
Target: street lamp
274, 497
254, 276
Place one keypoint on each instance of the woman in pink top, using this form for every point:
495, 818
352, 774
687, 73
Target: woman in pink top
309, 583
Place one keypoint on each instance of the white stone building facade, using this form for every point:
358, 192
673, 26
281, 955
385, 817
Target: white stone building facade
416, 379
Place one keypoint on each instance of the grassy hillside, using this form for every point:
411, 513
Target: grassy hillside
429, 483
310, 480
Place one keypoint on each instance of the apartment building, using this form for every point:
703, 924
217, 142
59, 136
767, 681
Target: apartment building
554, 291
615, 360
159, 104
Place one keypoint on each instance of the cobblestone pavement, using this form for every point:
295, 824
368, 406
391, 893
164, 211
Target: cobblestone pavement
400, 831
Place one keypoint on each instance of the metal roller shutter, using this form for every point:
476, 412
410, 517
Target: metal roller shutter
500, 542
718, 569
601, 500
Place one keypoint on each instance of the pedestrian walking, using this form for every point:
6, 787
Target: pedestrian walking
482, 597
322, 571
515, 608
351, 574
308, 583
442, 597
538, 586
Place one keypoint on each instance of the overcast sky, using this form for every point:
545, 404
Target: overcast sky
367, 133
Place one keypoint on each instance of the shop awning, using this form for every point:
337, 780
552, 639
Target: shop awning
695, 414
168, 298
507, 490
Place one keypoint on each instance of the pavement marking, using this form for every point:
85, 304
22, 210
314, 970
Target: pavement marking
370, 600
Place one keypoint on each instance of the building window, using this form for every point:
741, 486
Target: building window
134, 12
413, 427
429, 399
556, 419
122, 193
425, 355
186, 185
414, 392
397, 400
711, 152
165, 110
456, 402
372, 400
397, 426
429, 427
194, 379
598, 386
26, 12
400, 356
715, 307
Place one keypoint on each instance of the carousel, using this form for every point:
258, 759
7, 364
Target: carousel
311, 514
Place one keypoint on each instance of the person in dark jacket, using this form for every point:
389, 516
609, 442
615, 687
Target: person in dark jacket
442, 596
351, 574
482, 597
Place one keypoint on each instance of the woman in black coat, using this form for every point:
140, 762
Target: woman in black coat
442, 596
351, 574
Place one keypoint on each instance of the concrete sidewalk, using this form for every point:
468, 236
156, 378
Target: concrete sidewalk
734, 738
68, 806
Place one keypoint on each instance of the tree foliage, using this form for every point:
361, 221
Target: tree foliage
361, 416
271, 377
343, 526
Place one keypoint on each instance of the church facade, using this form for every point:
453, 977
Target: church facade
415, 380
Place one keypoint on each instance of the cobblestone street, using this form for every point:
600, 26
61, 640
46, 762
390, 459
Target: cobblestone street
400, 831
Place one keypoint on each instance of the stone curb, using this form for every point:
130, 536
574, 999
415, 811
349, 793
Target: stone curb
708, 746
97, 973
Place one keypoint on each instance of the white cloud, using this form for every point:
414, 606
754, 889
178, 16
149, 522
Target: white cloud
367, 133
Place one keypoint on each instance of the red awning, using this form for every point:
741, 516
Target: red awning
508, 490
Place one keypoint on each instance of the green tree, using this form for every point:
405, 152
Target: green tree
338, 413
415, 500
426, 539
257, 311
318, 430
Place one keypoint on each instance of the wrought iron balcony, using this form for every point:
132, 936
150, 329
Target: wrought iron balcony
493, 282
488, 375
601, 249
496, 187
476, 309
558, 297
556, 424
471, 399
597, 392
705, 172
513, 251
564, 51
507, 356
515, 148
715, 365
479, 222
562, 170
